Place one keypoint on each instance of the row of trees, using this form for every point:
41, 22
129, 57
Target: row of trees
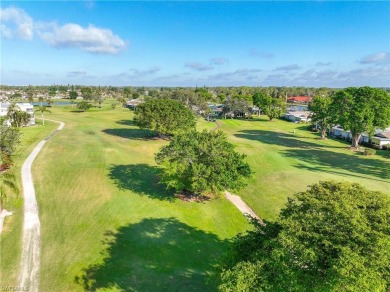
358, 110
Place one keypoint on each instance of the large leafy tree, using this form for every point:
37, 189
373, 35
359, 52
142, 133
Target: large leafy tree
322, 115
9, 140
333, 237
83, 106
237, 106
273, 107
164, 116
361, 110
87, 93
202, 162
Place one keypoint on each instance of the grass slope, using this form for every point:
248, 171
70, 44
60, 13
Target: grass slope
108, 224
286, 157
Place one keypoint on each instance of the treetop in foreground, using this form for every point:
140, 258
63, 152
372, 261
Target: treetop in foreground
333, 237
164, 116
202, 162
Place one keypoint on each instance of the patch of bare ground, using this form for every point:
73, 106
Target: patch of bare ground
191, 197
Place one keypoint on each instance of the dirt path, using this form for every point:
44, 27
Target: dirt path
241, 205
217, 126
31, 248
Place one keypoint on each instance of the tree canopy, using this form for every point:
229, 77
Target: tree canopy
202, 162
164, 116
9, 140
73, 94
236, 106
361, 110
273, 107
333, 237
83, 105
87, 93
322, 115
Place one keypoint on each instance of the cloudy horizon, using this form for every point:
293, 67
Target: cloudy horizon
332, 44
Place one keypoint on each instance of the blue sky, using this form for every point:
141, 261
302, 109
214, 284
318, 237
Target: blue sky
124, 43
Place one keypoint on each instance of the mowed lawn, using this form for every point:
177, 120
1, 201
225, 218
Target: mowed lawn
108, 224
286, 158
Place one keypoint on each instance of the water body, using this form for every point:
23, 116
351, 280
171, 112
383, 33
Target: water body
298, 108
55, 103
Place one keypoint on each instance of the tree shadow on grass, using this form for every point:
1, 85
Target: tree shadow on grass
277, 138
127, 122
328, 161
161, 254
322, 160
140, 178
131, 133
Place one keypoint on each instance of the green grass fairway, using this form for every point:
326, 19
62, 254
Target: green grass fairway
11, 236
108, 224
285, 162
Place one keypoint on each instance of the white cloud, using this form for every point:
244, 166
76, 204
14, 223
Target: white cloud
288, 68
219, 61
260, 54
76, 73
321, 64
378, 58
143, 73
15, 23
90, 39
198, 66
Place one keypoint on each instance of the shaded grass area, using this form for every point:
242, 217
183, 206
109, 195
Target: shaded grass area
130, 265
108, 225
10, 238
286, 157
140, 178
107, 222
322, 157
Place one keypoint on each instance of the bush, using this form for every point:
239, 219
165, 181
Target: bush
369, 151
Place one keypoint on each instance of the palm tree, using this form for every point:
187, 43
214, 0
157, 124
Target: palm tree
12, 111
42, 109
7, 184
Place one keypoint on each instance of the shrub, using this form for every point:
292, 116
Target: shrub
369, 151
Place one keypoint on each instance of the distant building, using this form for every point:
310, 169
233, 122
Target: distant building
298, 116
299, 99
25, 107
379, 139
132, 104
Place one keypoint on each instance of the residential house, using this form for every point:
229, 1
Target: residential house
133, 103
378, 139
298, 116
381, 140
299, 99
25, 107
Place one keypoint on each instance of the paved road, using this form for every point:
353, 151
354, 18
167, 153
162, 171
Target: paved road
31, 249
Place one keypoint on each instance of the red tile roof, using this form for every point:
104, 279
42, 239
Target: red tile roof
299, 99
